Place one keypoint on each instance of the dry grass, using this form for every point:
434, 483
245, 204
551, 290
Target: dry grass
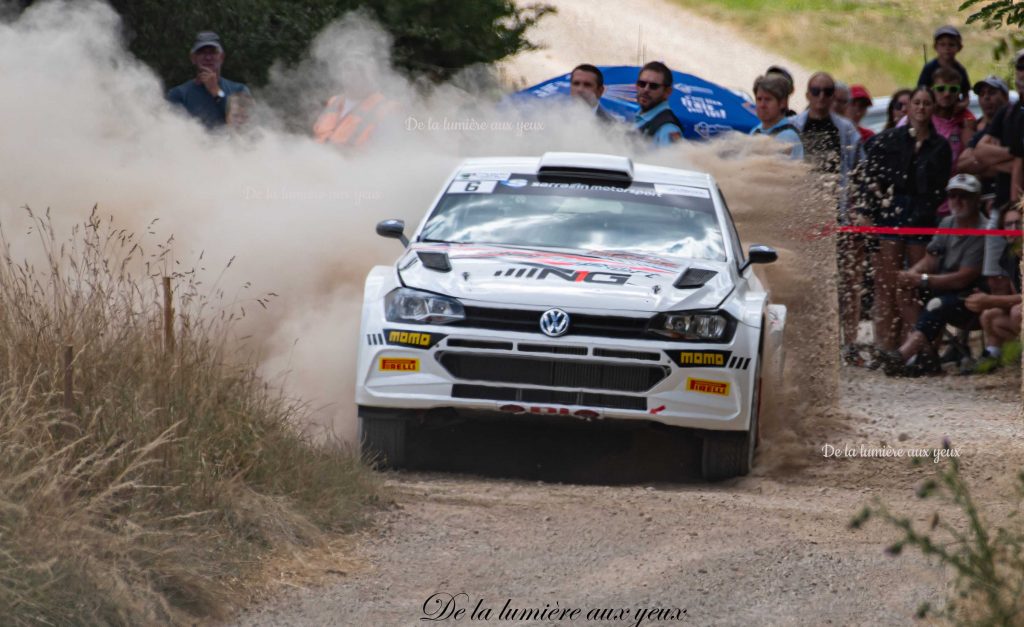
172, 476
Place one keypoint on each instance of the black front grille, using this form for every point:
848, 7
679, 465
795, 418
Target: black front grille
501, 346
526, 321
555, 397
621, 354
553, 372
553, 348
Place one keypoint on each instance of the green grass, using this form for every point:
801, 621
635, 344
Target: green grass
878, 43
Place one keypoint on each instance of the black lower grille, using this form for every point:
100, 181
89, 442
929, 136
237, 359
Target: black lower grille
621, 354
553, 348
549, 372
501, 346
527, 395
526, 321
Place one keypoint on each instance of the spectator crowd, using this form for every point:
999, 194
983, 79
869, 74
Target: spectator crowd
935, 164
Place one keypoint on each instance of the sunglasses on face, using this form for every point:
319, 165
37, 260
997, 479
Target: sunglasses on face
941, 89
1012, 224
817, 91
649, 85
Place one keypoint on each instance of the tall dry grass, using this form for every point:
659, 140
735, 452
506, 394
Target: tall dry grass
155, 493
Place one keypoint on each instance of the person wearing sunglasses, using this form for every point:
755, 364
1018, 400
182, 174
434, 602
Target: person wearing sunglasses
947, 44
897, 107
655, 118
832, 146
998, 150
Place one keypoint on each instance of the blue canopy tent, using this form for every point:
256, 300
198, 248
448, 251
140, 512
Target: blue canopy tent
705, 109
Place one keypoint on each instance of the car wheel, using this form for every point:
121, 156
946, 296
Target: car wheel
729, 454
382, 440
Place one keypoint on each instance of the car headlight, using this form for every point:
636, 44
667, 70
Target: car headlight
407, 305
703, 326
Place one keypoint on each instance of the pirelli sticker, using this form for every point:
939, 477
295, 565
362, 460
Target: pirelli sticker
399, 364
708, 359
704, 386
411, 339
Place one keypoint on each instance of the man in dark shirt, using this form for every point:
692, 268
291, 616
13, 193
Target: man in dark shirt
205, 97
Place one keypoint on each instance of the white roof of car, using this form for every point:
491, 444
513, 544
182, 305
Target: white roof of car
590, 161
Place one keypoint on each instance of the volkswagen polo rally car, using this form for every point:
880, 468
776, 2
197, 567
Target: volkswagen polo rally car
571, 285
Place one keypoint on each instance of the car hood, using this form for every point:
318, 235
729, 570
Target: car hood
545, 278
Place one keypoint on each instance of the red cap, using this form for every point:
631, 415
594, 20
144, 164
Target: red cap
859, 92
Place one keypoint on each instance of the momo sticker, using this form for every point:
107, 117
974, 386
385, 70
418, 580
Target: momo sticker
701, 359
704, 386
412, 339
397, 364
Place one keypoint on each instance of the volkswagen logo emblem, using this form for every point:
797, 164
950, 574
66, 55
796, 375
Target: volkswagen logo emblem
554, 322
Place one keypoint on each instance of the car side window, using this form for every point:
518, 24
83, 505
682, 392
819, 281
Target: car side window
734, 236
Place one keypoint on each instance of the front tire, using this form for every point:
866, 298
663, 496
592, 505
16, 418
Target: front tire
729, 454
382, 440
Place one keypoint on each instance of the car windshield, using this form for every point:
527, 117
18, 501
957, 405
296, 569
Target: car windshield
674, 220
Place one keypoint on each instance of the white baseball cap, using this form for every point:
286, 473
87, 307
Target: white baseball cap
964, 182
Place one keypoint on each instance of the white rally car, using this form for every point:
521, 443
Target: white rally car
571, 285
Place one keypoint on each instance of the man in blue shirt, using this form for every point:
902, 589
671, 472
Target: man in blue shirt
655, 118
206, 96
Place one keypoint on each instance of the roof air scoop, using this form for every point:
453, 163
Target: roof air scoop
694, 277
435, 260
588, 168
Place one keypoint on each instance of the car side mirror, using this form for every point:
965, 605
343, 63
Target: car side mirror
759, 253
394, 229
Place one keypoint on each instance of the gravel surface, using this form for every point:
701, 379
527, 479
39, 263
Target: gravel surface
773, 548
545, 516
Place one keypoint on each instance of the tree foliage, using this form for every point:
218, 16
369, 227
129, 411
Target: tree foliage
995, 14
435, 38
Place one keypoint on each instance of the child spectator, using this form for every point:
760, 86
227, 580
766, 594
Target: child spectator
947, 44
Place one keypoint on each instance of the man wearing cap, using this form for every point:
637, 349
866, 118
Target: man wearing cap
945, 276
205, 97
947, 44
860, 100
993, 95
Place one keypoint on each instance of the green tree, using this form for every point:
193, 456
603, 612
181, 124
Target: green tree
435, 38
994, 15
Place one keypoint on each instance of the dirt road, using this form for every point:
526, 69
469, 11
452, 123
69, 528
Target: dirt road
770, 549
546, 517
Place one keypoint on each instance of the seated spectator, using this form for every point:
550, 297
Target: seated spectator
205, 97
897, 107
944, 278
771, 93
860, 100
1000, 313
948, 44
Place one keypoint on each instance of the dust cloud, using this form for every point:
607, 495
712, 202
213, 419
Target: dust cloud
86, 124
